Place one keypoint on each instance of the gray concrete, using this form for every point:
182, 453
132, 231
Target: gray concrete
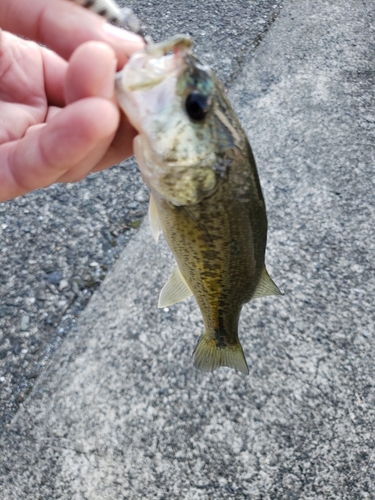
57, 244
121, 412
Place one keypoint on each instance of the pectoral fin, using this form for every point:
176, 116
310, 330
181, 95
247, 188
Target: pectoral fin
175, 289
154, 219
265, 286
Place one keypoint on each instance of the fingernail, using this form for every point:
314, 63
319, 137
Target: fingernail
122, 34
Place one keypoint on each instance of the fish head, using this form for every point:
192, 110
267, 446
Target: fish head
168, 96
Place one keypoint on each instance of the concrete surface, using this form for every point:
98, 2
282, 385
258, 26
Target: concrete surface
57, 244
121, 412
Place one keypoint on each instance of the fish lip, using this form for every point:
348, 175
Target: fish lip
179, 45
176, 43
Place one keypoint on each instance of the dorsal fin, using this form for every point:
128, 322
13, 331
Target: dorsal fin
154, 219
175, 289
265, 286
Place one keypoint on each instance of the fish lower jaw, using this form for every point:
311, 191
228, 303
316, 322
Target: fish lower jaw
182, 186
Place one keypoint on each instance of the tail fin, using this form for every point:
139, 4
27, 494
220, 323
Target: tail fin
208, 356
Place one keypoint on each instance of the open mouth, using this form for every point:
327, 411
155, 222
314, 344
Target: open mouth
148, 67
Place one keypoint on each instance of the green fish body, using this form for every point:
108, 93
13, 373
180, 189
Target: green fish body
205, 192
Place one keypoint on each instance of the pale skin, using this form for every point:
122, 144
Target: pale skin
59, 120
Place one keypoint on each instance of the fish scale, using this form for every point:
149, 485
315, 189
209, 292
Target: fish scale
206, 197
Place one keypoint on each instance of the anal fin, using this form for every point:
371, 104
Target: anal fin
265, 286
175, 289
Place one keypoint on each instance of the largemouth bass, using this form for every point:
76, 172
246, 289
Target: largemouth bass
205, 193
206, 196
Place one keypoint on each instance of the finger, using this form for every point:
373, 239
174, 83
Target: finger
84, 167
121, 147
28, 70
109, 153
91, 72
63, 26
55, 68
51, 113
40, 158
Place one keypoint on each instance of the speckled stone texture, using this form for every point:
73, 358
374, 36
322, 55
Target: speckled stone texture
121, 413
57, 244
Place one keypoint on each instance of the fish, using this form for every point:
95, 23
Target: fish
205, 194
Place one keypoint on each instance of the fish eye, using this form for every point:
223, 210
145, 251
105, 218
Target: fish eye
196, 106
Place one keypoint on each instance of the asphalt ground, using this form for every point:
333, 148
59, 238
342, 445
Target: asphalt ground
57, 244
121, 412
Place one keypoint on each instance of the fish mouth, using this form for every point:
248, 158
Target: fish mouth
155, 63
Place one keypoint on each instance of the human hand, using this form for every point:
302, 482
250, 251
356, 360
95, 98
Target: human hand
59, 120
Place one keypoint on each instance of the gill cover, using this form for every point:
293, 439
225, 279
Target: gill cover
167, 95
